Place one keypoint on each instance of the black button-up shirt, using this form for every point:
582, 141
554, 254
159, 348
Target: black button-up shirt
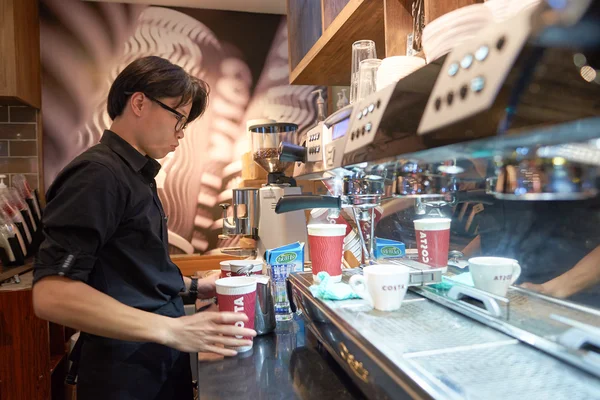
104, 224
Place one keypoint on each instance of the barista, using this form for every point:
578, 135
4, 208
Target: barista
556, 244
104, 267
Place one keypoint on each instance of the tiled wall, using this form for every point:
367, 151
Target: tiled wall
18, 143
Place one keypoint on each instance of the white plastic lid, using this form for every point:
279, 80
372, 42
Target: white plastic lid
2, 184
326, 229
432, 224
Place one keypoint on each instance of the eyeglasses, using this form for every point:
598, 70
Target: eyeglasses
181, 119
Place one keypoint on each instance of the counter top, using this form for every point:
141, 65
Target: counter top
286, 364
9, 272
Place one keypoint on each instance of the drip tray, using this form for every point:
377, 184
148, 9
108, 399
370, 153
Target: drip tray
425, 350
420, 325
506, 372
533, 313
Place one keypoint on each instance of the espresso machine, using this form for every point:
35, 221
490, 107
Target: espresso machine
521, 97
254, 213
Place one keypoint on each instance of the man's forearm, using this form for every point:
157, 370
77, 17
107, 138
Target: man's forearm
79, 306
585, 274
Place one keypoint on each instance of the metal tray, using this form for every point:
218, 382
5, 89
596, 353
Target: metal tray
507, 372
393, 354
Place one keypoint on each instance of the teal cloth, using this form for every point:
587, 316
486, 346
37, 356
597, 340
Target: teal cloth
329, 290
448, 281
465, 278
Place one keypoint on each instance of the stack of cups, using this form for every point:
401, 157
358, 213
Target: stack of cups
367, 78
326, 242
517, 6
361, 50
441, 35
501, 10
241, 268
392, 69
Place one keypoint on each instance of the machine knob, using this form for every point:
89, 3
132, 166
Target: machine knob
224, 206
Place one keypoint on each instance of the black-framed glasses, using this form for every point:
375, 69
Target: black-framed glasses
181, 119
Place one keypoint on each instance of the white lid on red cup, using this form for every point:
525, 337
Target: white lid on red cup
432, 224
326, 229
225, 265
257, 265
235, 285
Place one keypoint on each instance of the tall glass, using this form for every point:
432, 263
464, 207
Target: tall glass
367, 77
361, 50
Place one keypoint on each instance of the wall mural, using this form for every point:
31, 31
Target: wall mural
84, 45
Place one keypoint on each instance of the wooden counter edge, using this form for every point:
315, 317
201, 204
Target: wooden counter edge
189, 264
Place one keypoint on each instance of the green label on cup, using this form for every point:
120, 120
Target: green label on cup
285, 258
391, 251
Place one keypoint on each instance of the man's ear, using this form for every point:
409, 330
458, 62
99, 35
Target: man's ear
137, 103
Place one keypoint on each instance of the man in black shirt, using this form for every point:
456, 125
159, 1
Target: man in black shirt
104, 266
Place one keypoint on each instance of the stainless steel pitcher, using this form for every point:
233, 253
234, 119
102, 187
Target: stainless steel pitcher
264, 316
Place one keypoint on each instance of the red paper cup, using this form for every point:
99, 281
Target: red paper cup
325, 242
225, 269
433, 241
237, 265
238, 294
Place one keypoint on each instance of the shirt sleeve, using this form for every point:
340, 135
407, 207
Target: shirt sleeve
84, 209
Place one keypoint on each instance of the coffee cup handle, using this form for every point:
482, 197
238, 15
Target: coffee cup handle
516, 272
358, 284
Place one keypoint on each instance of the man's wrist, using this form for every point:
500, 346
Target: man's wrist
193, 290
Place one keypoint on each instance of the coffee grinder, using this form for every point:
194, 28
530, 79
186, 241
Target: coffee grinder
275, 230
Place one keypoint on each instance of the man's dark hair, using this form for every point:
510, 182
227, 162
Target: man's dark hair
158, 78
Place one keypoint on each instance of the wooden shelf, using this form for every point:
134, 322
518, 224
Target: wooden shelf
55, 360
329, 61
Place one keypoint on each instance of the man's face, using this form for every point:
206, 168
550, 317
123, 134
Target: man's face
159, 136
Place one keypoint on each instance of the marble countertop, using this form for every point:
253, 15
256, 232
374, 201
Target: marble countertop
286, 364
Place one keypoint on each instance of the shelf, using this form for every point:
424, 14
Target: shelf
9, 272
329, 61
55, 360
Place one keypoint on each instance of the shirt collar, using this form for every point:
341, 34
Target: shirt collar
127, 152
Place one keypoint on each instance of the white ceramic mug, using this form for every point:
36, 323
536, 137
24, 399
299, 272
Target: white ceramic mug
383, 286
494, 274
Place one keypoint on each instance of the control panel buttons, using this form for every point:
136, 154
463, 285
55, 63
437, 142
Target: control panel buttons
501, 42
453, 69
371, 108
482, 53
477, 84
438, 103
450, 98
463, 91
467, 61
368, 127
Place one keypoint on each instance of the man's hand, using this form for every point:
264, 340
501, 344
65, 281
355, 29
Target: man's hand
207, 332
206, 285
544, 288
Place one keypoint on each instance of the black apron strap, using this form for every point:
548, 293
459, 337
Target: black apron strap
74, 357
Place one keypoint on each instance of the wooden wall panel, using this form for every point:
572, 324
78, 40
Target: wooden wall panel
398, 25
25, 361
304, 28
330, 10
20, 71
